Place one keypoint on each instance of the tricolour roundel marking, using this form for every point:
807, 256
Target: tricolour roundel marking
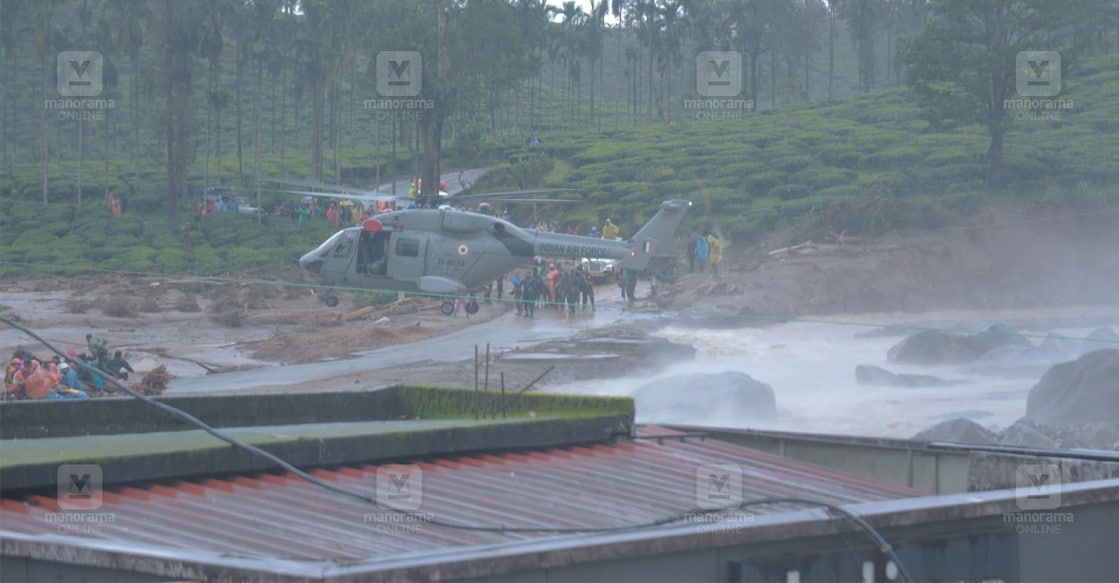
463, 250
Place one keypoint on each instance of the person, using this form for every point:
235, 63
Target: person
553, 283
691, 252
701, 251
39, 380
716, 252
14, 379
500, 287
98, 350
518, 294
533, 286
460, 302
332, 215
70, 376
586, 287
117, 366
610, 230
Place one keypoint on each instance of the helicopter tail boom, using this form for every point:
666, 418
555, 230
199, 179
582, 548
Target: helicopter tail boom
654, 242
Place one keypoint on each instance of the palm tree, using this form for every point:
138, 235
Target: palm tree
594, 22
212, 44
44, 29
131, 17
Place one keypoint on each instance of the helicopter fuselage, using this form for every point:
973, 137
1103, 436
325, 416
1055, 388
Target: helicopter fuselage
451, 251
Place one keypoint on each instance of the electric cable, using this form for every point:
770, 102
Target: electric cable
865, 527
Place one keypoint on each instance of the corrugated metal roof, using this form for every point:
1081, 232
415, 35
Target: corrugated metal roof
282, 516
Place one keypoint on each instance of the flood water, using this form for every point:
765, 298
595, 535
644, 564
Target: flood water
811, 367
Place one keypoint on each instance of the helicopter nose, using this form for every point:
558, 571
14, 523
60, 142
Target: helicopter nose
311, 263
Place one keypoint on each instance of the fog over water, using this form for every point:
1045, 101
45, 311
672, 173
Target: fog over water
811, 366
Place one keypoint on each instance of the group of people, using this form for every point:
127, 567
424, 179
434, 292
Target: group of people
552, 287
27, 376
704, 249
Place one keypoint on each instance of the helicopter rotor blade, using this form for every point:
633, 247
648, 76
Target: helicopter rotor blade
322, 186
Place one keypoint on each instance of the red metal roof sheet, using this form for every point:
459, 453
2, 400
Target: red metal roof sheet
282, 516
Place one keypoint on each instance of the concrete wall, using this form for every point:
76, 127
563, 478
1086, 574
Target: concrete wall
929, 467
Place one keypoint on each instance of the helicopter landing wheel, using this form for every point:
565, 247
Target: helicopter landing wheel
331, 300
447, 308
472, 307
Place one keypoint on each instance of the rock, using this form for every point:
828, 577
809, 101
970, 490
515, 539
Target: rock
958, 430
936, 347
875, 376
1024, 433
1085, 390
733, 396
1098, 339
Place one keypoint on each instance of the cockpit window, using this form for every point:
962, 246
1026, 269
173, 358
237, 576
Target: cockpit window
345, 246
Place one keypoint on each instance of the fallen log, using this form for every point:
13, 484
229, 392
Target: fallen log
791, 249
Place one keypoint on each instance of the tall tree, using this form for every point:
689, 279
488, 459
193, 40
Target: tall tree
962, 65
864, 19
132, 17
182, 28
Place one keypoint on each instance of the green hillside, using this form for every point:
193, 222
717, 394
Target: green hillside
865, 165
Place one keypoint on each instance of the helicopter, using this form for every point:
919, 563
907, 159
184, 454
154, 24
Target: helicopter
451, 252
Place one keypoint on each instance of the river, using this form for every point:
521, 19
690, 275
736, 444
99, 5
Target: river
811, 366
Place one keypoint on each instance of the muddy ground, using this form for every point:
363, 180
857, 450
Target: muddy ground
1036, 260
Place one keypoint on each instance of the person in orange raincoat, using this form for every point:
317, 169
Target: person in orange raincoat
40, 381
553, 275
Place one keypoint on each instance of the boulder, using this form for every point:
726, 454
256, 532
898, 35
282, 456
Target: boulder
731, 396
958, 430
875, 376
1025, 433
937, 347
1085, 390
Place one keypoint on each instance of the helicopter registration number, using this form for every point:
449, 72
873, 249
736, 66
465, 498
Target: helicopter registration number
450, 263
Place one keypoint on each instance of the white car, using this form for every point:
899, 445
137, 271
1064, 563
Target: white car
600, 270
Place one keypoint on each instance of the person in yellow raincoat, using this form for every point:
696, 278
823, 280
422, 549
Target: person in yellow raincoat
609, 230
715, 252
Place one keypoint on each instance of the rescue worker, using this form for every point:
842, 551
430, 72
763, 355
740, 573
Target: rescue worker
117, 366
715, 249
610, 230
702, 251
98, 349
